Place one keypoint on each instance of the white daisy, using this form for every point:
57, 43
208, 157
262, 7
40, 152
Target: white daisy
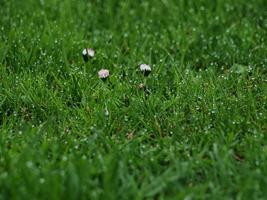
146, 69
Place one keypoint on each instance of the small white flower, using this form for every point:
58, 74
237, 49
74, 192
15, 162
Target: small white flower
91, 52
88, 53
84, 52
142, 86
103, 74
146, 69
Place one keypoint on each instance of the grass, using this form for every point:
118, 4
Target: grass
200, 133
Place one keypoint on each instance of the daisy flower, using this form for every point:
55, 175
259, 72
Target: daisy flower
103, 74
145, 69
88, 53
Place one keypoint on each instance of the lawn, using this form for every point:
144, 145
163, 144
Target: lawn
194, 128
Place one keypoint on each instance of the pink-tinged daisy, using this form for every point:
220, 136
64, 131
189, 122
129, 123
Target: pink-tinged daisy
145, 69
103, 74
88, 53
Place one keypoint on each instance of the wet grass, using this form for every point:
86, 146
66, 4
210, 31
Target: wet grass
198, 131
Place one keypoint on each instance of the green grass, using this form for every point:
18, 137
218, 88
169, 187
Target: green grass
201, 133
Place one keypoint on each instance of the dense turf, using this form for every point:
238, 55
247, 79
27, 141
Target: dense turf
198, 131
